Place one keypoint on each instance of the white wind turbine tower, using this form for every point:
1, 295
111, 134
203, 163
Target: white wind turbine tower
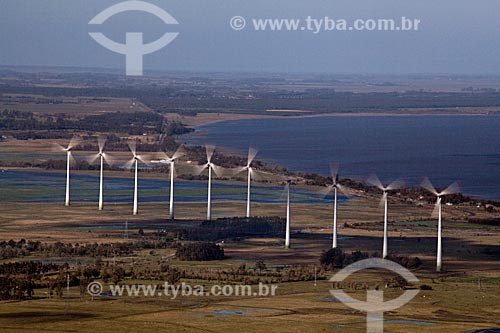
134, 163
72, 144
165, 159
252, 152
211, 167
103, 157
453, 188
287, 232
334, 169
392, 186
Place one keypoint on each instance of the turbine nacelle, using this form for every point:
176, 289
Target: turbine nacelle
395, 185
164, 158
452, 189
75, 141
375, 181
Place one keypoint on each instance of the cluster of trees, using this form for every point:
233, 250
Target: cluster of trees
133, 123
245, 275
203, 251
406, 261
231, 228
13, 249
259, 95
19, 279
337, 258
16, 287
490, 221
27, 268
319, 102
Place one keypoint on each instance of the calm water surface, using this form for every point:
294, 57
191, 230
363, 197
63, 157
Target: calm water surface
444, 148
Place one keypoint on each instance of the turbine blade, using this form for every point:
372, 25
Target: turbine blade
334, 171
252, 152
381, 203
75, 141
101, 140
397, 184
234, 171
210, 152
91, 159
219, 171
172, 165
256, 174
426, 184
57, 147
375, 181
179, 153
324, 192
283, 195
162, 155
144, 159
345, 190
132, 145
129, 164
72, 159
198, 169
452, 189
109, 159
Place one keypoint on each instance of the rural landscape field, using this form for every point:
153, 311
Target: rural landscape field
45, 242
244, 179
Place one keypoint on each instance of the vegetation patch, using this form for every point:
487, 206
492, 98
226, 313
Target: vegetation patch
232, 228
200, 252
337, 258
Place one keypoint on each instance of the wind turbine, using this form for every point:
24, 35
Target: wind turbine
165, 159
72, 144
218, 171
375, 181
334, 169
134, 163
103, 157
287, 232
453, 188
252, 152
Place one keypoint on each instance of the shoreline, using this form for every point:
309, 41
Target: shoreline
202, 119
210, 119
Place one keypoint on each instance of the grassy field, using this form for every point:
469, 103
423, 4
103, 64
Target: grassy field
298, 307
70, 105
465, 297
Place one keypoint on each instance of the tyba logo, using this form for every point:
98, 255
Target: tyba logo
374, 305
134, 48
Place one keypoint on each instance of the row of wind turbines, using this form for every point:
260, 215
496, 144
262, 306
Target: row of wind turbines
170, 160
163, 159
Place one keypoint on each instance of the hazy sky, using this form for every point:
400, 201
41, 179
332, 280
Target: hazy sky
455, 36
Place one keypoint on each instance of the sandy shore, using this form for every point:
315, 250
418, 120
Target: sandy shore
211, 118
